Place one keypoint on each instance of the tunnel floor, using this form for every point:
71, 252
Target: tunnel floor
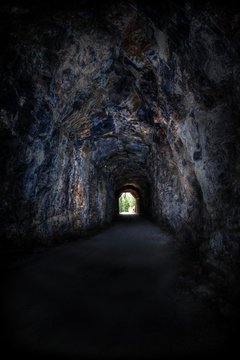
113, 296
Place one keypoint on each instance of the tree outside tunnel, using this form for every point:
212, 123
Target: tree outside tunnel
127, 203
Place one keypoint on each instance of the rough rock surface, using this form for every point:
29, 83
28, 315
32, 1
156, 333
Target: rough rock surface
94, 98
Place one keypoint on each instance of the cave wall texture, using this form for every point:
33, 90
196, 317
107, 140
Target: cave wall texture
98, 97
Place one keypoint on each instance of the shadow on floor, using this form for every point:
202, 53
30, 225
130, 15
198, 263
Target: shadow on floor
114, 296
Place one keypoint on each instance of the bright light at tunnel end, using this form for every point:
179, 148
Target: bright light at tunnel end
127, 204
128, 213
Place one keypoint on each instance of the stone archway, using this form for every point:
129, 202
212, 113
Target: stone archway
134, 192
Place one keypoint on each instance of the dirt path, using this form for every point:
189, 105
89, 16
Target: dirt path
110, 296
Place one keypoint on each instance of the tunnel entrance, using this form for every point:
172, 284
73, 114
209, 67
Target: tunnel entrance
127, 203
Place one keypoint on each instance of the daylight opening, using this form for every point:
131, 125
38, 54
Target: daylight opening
127, 203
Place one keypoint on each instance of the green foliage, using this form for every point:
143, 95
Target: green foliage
123, 203
126, 202
131, 200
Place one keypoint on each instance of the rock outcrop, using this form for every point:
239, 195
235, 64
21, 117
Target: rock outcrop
95, 98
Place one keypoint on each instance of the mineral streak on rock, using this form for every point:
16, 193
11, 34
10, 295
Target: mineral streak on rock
94, 98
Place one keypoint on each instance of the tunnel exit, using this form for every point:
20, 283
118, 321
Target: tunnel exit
127, 203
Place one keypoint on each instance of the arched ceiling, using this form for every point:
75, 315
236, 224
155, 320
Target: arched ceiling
108, 99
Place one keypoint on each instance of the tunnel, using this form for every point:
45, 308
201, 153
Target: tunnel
102, 98
135, 194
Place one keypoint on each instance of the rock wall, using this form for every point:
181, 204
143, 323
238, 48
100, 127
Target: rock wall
95, 98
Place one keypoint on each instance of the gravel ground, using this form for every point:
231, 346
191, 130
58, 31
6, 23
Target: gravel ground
113, 295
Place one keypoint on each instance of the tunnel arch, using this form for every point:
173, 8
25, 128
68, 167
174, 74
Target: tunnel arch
142, 193
135, 193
